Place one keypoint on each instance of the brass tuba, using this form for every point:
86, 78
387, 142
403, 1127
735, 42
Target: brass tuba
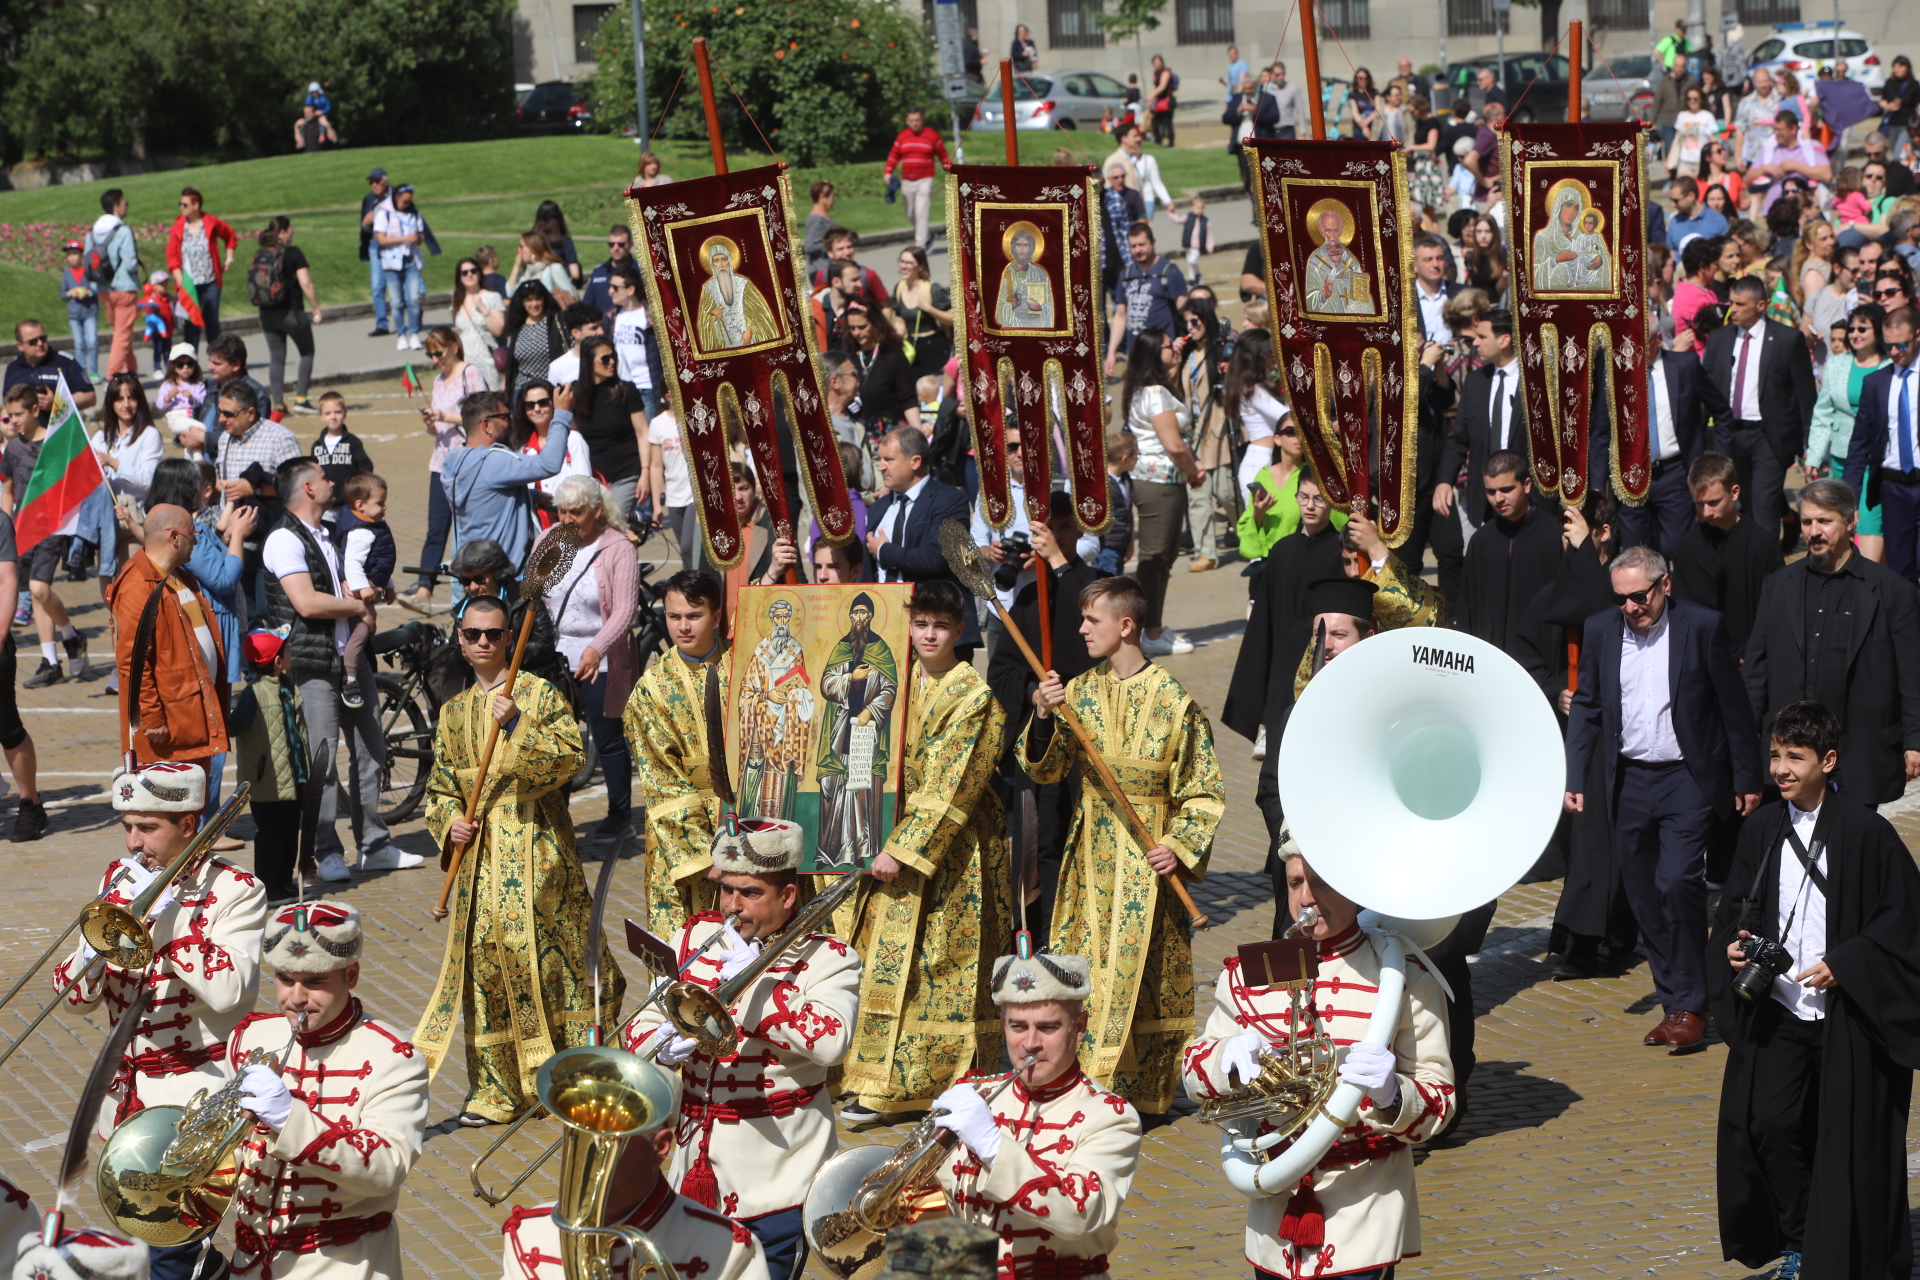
167, 1174
604, 1098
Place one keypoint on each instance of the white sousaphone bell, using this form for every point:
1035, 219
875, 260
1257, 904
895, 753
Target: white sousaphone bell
1422, 774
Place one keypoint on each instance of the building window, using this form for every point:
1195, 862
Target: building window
1476, 18
1618, 15
586, 22
1204, 21
1071, 25
1768, 13
1346, 19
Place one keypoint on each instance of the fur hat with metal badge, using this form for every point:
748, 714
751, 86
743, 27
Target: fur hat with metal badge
82, 1255
756, 846
1033, 979
312, 937
170, 786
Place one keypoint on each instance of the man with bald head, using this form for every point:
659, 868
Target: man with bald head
173, 689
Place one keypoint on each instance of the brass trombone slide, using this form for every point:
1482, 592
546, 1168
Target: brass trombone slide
120, 934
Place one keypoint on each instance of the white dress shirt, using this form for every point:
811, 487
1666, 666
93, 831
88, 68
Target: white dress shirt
1432, 311
1910, 378
896, 523
1747, 395
1506, 383
1646, 697
1666, 436
1805, 938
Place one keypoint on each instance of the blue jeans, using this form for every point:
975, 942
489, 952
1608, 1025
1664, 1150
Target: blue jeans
1109, 562
209, 309
405, 289
216, 770
610, 740
86, 340
439, 522
783, 1241
377, 286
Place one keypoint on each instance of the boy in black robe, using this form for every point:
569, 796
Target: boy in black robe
1723, 559
1512, 556
1820, 1062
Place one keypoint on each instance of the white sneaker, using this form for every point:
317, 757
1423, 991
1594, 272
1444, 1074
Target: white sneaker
413, 341
1260, 744
391, 858
333, 869
400, 343
1169, 642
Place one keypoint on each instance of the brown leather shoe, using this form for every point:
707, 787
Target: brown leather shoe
1659, 1033
1202, 566
1685, 1030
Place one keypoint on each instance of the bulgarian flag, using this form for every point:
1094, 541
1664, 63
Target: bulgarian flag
410, 381
190, 301
64, 477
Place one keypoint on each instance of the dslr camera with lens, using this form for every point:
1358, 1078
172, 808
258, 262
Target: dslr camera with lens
1766, 960
1016, 548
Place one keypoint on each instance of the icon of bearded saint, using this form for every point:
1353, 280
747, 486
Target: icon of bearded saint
732, 312
1336, 283
776, 708
1025, 298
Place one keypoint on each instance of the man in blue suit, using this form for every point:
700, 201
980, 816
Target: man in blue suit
903, 528
1660, 698
1883, 438
1683, 399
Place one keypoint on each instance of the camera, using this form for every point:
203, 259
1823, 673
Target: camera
1766, 960
1016, 548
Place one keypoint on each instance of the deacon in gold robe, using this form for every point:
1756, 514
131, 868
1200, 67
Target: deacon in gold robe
666, 722
514, 969
931, 926
1111, 906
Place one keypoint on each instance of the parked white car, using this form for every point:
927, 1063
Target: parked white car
1804, 47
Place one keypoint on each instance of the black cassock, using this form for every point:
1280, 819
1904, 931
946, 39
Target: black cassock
1262, 685
1724, 570
1857, 1225
1507, 565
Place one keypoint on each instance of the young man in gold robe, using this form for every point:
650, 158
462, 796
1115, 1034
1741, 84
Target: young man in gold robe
667, 729
1111, 905
937, 916
514, 970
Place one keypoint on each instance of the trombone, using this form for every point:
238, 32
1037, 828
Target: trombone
120, 934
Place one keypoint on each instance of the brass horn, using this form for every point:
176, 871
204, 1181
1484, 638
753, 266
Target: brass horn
118, 933
1295, 1079
604, 1099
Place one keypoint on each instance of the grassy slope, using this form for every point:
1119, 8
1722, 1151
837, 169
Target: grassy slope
472, 193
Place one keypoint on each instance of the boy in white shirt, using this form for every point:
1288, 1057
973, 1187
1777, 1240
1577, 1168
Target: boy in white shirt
367, 559
630, 325
671, 486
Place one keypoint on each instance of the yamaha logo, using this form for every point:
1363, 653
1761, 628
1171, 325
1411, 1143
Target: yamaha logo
1442, 659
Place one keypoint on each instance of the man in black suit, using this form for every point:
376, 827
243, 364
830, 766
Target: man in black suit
903, 528
1492, 417
1660, 701
1682, 401
1864, 665
1883, 438
1764, 373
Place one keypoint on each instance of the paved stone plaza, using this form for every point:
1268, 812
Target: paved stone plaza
1584, 1154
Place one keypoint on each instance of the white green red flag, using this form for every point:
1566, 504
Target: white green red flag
64, 476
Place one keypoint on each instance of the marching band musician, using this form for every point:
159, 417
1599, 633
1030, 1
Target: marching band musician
338, 1128
1047, 1164
699, 1242
1355, 1214
756, 1125
666, 723
205, 968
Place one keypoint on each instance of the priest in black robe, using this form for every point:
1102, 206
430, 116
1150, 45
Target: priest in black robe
1723, 559
1511, 557
1813, 1107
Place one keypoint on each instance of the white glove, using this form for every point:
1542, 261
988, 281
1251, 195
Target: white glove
674, 1047
161, 903
133, 877
966, 1113
1371, 1067
739, 953
265, 1094
1242, 1054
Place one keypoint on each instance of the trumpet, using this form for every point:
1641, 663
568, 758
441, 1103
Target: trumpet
166, 1175
873, 1189
659, 992
120, 934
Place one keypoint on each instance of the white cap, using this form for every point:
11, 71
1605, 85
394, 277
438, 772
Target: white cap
170, 786
757, 846
82, 1255
1038, 978
313, 86
313, 937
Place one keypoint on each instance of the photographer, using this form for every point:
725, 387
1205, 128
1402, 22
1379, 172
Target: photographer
1820, 933
1010, 550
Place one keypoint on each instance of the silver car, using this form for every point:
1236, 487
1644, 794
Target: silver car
1624, 91
1043, 99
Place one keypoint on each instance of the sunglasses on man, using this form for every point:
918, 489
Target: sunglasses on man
474, 635
1641, 598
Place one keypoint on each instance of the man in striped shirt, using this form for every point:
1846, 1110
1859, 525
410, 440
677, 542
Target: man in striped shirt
918, 153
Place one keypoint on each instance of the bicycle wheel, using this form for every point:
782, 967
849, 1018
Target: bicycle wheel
409, 734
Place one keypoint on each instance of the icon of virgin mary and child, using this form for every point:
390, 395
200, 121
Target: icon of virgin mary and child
1570, 252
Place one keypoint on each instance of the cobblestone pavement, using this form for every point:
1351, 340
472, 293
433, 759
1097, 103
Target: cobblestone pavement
1584, 1154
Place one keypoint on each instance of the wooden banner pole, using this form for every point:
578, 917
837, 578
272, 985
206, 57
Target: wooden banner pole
1574, 63
707, 101
1042, 573
1310, 38
1006, 109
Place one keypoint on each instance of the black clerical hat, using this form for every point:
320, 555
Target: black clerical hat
1352, 596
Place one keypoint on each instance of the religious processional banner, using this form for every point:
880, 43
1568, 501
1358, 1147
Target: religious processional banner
1026, 288
1338, 236
726, 280
1575, 218
819, 714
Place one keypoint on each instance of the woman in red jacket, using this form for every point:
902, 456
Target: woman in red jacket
193, 255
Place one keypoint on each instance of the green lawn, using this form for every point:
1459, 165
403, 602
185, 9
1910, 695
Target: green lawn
472, 193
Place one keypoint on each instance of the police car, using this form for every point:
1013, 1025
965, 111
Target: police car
1804, 47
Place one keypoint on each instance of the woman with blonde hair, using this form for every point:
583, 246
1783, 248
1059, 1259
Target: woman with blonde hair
1812, 262
537, 259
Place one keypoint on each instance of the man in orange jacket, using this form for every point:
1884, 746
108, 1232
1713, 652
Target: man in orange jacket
173, 689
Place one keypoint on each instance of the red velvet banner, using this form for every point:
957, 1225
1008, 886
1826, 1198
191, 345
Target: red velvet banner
1338, 236
1575, 220
725, 279
1026, 306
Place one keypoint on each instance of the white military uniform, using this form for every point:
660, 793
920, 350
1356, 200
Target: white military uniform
317, 1200
1363, 1187
205, 969
18, 1215
701, 1244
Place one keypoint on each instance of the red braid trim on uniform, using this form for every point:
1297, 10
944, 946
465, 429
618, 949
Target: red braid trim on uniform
259, 1250
740, 1234
774, 1106
1305, 1222
365, 1141
530, 1261
1045, 1264
701, 1185
156, 1062
14, 1195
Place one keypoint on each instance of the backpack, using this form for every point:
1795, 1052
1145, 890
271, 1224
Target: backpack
267, 278
94, 266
